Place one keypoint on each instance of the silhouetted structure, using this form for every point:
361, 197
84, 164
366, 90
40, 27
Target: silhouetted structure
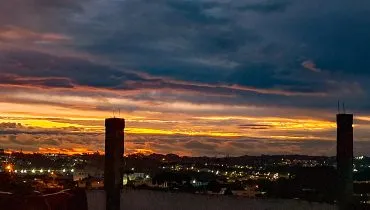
345, 160
113, 171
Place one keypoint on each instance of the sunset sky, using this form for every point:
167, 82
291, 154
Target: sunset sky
191, 77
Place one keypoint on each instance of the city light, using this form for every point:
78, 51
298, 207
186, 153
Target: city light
33, 171
359, 158
72, 170
64, 170
9, 168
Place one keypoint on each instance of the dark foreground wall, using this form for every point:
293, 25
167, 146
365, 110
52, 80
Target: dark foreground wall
154, 200
149, 200
64, 200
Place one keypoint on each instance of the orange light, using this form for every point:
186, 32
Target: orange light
9, 168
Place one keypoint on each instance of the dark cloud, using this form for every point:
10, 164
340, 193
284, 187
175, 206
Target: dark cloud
35, 81
58, 70
211, 50
18, 129
32, 139
255, 126
32, 142
196, 145
8, 125
266, 6
338, 43
244, 146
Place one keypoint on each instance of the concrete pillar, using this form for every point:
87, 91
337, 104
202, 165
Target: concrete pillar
345, 160
113, 171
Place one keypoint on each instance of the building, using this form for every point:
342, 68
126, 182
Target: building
113, 171
345, 160
80, 174
91, 183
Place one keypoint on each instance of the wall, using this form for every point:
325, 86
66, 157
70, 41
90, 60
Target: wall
153, 200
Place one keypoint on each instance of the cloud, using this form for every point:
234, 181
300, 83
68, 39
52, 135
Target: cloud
310, 65
9, 125
33, 67
14, 33
255, 126
266, 6
18, 129
242, 146
11, 79
20, 140
16, 68
222, 34
64, 140
196, 145
71, 151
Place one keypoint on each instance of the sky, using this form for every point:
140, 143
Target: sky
191, 77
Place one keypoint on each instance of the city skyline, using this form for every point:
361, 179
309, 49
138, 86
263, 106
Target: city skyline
207, 77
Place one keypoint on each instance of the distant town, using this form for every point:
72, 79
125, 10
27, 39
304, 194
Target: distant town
278, 176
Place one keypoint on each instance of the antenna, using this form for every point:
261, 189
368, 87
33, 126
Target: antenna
344, 108
338, 107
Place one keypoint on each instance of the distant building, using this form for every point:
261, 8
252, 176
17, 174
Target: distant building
91, 183
137, 179
94, 172
2, 151
132, 177
197, 183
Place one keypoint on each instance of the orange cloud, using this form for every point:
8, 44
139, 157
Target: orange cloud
310, 65
69, 151
13, 33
